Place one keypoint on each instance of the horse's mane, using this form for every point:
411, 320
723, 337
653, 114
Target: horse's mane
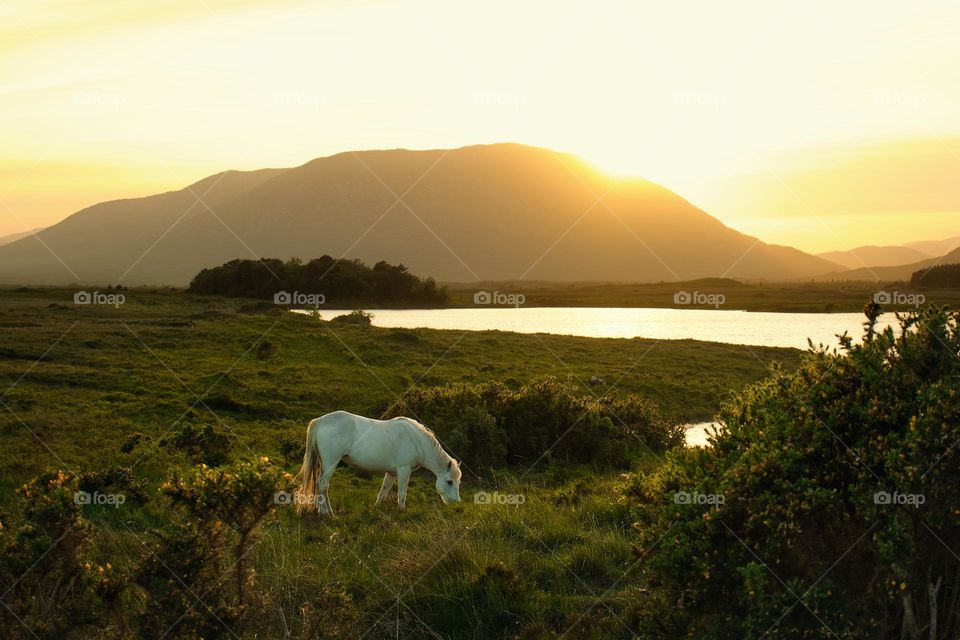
436, 441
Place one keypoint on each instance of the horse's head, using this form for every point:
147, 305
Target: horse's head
448, 482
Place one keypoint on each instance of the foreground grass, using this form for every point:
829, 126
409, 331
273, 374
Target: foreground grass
559, 558
82, 381
563, 547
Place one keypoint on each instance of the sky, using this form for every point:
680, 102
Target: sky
822, 125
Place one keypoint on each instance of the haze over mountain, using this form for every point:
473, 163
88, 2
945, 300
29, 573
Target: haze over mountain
491, 212
871, 256
935, 247
890, 273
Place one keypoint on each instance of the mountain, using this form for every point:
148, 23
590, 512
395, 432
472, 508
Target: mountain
872, 256
935, 247
7, 239
491, 212
889, 273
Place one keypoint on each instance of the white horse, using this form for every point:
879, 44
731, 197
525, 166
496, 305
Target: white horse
394, 447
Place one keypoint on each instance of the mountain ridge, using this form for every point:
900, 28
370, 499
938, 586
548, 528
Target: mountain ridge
876, 256
492, 212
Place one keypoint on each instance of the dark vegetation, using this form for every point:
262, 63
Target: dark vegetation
491, 425
341, 282
840, 516
943, 275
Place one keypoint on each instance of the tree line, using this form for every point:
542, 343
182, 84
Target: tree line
338, 280
944, 275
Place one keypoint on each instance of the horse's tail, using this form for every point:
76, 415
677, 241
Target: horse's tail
312, 466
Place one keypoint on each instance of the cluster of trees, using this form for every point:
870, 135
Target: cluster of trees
827, 506
339, 281
491, 425
944, 275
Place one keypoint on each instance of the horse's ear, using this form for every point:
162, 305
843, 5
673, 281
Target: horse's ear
449, 464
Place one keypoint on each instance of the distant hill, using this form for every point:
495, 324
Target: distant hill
872, 256
492, 212
7, 239
889, 274
935, 247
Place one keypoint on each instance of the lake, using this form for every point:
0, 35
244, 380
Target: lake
735, 327
696, 434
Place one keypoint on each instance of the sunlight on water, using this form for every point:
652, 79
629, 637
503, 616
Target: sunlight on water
734, 327
696, 433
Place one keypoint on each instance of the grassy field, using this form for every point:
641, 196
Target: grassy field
807, 297
553, 554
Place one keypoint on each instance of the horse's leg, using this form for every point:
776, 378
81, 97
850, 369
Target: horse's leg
403, 477
324, 483
385, 487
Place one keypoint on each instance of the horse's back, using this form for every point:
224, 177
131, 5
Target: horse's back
337, 426
376, 445
347, 427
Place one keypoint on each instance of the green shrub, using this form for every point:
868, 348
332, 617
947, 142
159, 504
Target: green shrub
201, 443
357, 316
458, 415
640, 419
116, 481
804, 543
51, 591
490, 425
186, 559
239, 496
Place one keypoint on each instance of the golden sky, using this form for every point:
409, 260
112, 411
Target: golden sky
754, 110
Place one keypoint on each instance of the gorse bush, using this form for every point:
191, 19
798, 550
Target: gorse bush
339, 281
492, 426
238, 496
50, 589
202, 550
827, 507
200, 443
186, 559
